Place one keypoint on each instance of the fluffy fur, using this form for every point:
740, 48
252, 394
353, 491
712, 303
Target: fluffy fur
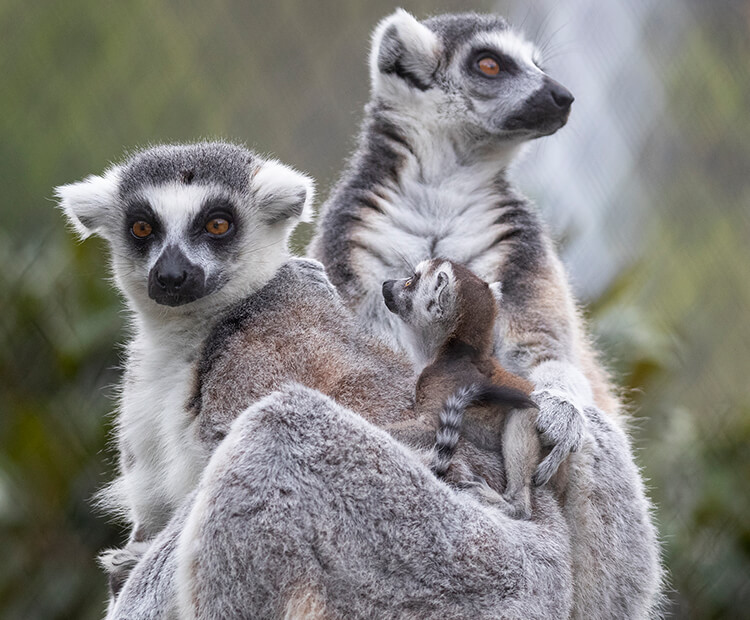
307, 511
335, 519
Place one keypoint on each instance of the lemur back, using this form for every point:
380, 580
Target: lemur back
484, 410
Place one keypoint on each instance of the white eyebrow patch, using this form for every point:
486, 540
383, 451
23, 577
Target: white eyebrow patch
510, 43
176, 204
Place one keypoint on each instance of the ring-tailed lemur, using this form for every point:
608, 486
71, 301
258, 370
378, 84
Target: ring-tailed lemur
263, 320
198, 238
450, 315
192, 229
454, 98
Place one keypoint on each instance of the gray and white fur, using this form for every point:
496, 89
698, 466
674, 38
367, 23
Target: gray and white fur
306, 510
430, 178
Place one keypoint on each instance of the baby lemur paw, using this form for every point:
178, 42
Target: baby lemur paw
514, 507
561, 426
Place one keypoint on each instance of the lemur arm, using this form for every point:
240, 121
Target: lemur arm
539, 335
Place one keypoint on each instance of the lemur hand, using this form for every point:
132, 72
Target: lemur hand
561, 426
314, 272
562, 392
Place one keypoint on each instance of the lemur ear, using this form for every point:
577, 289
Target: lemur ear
442, 291
404, 48
281, 193
88, 203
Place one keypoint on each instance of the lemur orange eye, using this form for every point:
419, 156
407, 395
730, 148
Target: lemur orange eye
141, 229
409, 282
217, 226
488, 66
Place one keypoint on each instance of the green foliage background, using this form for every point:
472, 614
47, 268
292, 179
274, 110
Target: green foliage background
83, 81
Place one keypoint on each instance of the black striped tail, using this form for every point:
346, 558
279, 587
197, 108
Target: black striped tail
452, 415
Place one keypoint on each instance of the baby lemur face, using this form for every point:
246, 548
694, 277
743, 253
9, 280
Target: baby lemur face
426, 301
190, 225
443, 300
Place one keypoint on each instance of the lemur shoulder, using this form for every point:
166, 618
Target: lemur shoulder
486, 433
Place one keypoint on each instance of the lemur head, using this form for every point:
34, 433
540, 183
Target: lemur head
191, 228
468, 73
444, 302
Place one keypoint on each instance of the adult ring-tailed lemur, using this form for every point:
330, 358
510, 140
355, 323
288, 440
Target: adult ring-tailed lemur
454, 98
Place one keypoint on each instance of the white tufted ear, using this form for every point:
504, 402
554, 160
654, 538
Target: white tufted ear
282, 193
88, 203
403, 49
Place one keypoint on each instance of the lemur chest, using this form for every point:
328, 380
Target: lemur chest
421, 221
162, 454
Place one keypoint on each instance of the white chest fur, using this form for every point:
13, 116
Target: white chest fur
454, 218
161, 456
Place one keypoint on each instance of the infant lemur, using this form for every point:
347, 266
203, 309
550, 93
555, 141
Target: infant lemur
450, 314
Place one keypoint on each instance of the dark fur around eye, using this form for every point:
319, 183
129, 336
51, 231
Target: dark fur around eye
508, 66
141, 211
215, 208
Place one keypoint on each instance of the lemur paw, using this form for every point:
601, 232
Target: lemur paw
561, 426
312, 270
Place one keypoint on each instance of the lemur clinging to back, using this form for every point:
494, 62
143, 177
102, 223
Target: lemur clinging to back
450, 315
453, 100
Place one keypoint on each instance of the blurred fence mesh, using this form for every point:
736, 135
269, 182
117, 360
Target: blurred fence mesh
647, 191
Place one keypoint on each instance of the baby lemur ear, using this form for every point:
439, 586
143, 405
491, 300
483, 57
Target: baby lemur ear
404, 48
281, 193
88, 204
442, 289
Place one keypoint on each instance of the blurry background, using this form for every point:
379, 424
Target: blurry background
646, 190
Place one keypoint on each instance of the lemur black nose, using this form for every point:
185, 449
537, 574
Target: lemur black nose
562, 97
174, 280
169, 272
171, 280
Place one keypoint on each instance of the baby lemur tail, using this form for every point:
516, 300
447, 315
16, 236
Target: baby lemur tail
452, 414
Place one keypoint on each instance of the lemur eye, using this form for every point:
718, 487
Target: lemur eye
217, 226
488, 66
409, 282
141, 229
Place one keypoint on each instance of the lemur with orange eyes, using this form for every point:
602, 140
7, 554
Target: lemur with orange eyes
484, 410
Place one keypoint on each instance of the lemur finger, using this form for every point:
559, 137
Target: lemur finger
549, 466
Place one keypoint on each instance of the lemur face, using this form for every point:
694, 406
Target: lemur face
426, 299
469, 72
190, 222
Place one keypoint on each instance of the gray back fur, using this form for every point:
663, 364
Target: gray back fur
307, 511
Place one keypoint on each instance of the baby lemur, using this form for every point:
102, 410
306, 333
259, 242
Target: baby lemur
450, 314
